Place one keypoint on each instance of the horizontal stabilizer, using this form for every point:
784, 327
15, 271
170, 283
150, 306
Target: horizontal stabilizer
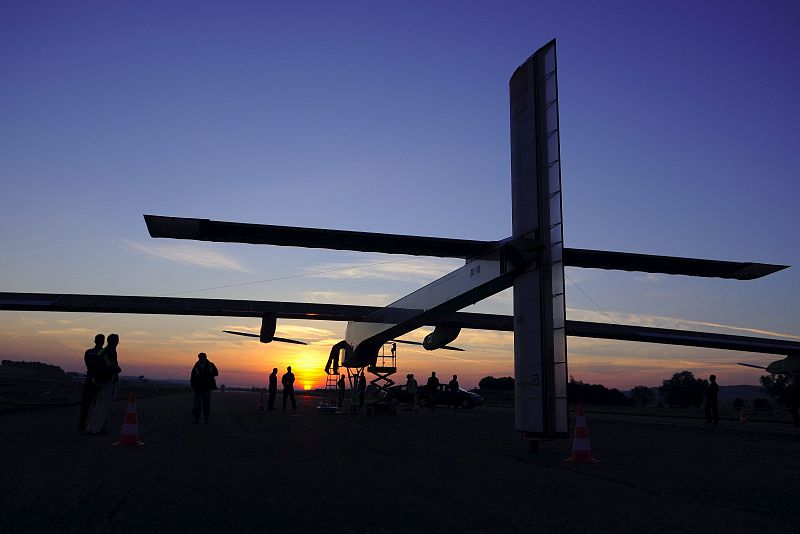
266, 234
246, 334
293, 341
627, 261
250, 334
752, 365
446, 347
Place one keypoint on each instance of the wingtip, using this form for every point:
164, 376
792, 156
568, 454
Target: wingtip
172, 227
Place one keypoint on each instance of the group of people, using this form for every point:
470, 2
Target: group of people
99, 387
358, 399
287, 380
412, 388
102, 378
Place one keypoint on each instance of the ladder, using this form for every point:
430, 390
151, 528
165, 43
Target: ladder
330, 397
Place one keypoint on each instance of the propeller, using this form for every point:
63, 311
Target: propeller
250, 334
448, 347
752, 365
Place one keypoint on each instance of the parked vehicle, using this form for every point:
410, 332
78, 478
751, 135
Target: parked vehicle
466, 399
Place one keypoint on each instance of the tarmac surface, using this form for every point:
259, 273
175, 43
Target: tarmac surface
435, 471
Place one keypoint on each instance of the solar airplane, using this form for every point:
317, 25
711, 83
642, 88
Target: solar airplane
531, 261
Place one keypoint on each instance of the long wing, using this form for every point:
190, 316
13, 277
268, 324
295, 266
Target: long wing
264, 234
51, 302
179, 306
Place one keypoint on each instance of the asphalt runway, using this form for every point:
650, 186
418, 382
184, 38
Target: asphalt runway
435, 471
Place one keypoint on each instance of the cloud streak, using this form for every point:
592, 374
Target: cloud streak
342, 297
187, 254
407, 270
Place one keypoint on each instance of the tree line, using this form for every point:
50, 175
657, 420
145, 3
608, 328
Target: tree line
682, 390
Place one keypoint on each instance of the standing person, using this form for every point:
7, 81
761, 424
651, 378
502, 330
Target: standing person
794, 398
411, 389
453, 388
273, 388
288, 387
433, 389
712, 394
89, 385
203, 382
106, 373
362, 388
340, 385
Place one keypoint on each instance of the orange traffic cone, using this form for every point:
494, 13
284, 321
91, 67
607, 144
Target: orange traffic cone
581, 450
130, 426
742, 417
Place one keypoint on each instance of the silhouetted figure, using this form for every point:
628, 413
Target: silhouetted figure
332, 365
453, 388
433, 389
89, 385
106, 374
362, 389
794, 399
411, 389
273, 388
288, 387
203, 383
340, 384
712, 395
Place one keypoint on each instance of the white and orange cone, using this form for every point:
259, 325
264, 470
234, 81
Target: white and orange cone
581, 449
130, 426
742, 416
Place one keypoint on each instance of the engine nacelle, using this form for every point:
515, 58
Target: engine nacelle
268, 325
441, 336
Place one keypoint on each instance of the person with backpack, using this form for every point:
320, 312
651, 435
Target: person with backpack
203, 382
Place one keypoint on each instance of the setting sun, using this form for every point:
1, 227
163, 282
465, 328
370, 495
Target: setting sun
307, 387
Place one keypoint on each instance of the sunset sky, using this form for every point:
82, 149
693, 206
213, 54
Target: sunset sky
680, 135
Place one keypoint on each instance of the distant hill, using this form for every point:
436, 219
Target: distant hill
746, 393
31, 370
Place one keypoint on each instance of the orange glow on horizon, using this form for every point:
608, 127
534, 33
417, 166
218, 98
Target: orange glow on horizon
159, 348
